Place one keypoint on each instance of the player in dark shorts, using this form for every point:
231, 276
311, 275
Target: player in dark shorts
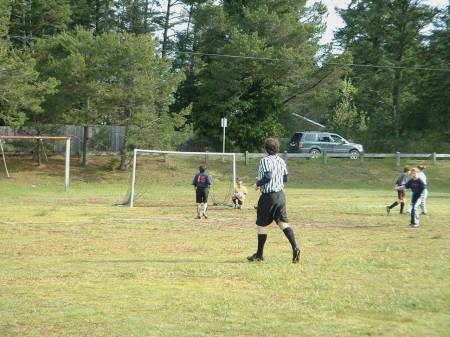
401, 180
202, 182
272, 202
417, 186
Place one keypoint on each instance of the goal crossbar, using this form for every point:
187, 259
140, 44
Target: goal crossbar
136, 151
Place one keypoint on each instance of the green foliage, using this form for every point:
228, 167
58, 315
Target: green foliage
113, 78
251, 93
136, 89
346, 119
430, 111
385, 33
31, 19
21, 92
44, 40
73, 59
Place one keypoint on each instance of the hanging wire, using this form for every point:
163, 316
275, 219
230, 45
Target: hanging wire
355, 65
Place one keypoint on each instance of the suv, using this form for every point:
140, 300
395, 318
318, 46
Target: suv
316, 142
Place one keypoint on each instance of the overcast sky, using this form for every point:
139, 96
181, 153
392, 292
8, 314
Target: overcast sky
334, 21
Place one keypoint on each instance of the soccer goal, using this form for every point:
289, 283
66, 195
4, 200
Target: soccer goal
164, 178
38, 144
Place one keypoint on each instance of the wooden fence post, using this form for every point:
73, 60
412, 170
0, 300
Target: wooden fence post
397, 158
434, 158
285, 156
361, 158
246, 158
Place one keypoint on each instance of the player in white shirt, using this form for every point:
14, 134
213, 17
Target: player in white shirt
423, 177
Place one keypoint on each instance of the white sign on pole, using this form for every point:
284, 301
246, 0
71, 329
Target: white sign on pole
223, 122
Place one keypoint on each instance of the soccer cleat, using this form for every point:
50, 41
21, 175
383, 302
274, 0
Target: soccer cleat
296, 255
204, 215
388, 210
423, 213
254, 257
414, 225
198, 217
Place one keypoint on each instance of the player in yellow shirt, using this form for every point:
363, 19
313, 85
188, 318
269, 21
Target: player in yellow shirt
240, 192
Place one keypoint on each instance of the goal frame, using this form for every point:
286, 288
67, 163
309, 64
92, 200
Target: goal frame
181, 153
40, 138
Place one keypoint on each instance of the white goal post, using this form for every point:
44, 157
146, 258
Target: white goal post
180, 153
40, 139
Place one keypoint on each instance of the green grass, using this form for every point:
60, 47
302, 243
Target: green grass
72, 264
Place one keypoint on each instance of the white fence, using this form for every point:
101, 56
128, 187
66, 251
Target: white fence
434, 157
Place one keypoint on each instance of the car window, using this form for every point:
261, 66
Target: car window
296, 137
337, 139
325, 138
309, 137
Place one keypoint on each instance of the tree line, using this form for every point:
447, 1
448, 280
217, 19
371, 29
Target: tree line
171, 69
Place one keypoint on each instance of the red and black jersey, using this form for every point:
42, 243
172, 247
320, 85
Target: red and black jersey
202, 180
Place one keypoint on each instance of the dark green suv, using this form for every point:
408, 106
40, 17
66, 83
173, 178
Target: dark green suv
316, 142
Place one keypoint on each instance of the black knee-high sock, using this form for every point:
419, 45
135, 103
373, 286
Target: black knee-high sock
402, 206
261, 241
393, 205
290, 236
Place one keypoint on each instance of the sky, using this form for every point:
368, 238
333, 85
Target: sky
334, 21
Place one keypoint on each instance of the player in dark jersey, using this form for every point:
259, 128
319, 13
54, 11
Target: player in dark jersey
272, 202
202, 182
417, 187
401, 180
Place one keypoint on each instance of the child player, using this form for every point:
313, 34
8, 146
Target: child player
401, 180
240, 192
202, 182
417, 187
423, 177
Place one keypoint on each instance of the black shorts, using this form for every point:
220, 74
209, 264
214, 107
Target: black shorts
271, 206
201, 195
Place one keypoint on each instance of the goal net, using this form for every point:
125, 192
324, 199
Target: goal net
164, 178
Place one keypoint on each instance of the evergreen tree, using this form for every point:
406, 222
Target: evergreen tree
32, 19
430, 112
74, 60
387, 33
21, 91
137, 91
251, 93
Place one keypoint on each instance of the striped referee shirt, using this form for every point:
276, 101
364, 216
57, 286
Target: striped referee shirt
276, 167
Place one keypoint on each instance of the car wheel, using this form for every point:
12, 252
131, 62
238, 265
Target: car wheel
354, 154
315, 153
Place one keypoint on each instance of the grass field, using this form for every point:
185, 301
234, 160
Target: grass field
72, 264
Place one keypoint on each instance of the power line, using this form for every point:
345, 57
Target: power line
356, 65
230, 56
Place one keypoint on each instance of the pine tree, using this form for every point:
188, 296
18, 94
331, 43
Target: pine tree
251, 93
32, 19
385, 33
21, 91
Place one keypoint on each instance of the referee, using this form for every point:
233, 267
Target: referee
272, 202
